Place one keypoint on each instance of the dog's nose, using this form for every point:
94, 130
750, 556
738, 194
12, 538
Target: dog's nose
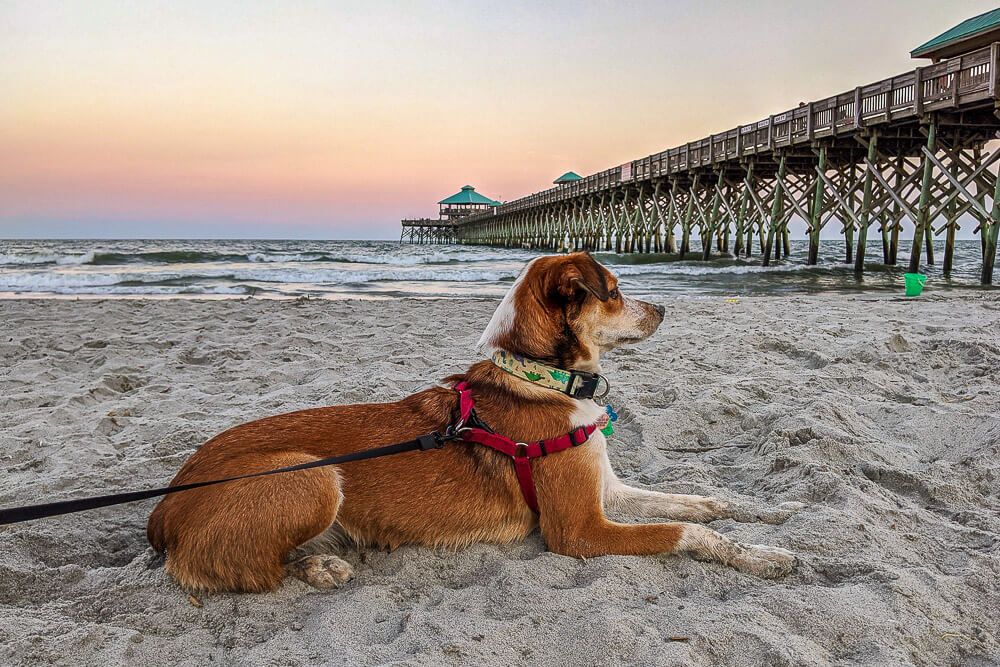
660, 309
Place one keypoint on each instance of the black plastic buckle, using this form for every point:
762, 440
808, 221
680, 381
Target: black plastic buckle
582, 384
431, 441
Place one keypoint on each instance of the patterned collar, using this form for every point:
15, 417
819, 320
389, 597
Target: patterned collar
578, 384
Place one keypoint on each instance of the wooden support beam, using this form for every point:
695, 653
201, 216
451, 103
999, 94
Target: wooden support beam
866, 202
959, 186
973, 175
671, 212
815, 223
923, 210
608, 222
844, 206
896, 212
776, 209
850, 226
739, 219
707, 225
686, 223
658, 212
990, 234
951, 224
728, 211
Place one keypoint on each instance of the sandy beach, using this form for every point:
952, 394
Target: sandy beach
882, 415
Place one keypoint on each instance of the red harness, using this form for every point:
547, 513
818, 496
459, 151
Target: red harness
521, 452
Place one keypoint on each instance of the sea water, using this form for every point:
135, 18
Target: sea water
387, 269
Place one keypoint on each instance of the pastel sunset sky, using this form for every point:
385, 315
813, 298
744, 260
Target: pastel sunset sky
334, 120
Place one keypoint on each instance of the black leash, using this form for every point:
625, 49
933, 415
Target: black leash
31, 512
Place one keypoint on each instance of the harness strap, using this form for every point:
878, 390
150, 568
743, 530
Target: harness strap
521, 452
522, 467
465, 402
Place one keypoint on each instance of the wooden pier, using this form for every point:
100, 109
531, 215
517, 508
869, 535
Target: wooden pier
451, 210
427, 230
912, 151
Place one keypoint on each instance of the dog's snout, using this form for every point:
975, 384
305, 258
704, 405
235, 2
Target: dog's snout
660, 310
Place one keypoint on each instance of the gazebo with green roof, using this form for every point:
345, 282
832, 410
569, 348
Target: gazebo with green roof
465, 202
568, 177
967, 36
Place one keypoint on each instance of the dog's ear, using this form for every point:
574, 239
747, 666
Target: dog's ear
579, 275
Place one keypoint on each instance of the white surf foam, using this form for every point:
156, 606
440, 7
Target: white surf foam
705, 269
48, 281
28, 259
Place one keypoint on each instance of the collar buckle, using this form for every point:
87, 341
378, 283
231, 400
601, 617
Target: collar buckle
583, 384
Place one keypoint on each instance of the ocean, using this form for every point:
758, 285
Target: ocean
387, 270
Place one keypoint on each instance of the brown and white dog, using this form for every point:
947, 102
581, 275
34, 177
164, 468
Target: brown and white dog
563, 311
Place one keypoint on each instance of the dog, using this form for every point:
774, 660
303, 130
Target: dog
562, 312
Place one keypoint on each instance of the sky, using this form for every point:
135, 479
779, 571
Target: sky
334, 120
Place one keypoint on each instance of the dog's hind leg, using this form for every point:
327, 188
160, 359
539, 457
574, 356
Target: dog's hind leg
237, 536
323, 571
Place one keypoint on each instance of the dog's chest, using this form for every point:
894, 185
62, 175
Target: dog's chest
586, 413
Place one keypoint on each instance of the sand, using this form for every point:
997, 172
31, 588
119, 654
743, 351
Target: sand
882, 415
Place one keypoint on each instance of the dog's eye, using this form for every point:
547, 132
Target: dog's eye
614, 294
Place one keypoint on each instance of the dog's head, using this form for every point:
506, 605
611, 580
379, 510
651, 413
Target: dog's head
567, 310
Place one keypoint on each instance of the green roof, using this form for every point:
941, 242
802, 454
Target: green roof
963, 31
468, 195
568, 177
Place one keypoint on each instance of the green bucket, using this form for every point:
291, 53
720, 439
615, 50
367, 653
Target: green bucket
914, 283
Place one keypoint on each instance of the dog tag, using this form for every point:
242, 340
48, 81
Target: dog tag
609, 428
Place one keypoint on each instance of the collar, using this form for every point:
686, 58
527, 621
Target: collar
577, 384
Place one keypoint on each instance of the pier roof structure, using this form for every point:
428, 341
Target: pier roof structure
970, 34
568, 177
468, 195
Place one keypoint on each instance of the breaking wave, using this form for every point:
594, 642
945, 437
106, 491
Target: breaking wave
706, 269
30, 258
134, 280
399, 258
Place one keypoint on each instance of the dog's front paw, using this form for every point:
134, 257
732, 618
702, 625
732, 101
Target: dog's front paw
766, 561
770, 515
701, 508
